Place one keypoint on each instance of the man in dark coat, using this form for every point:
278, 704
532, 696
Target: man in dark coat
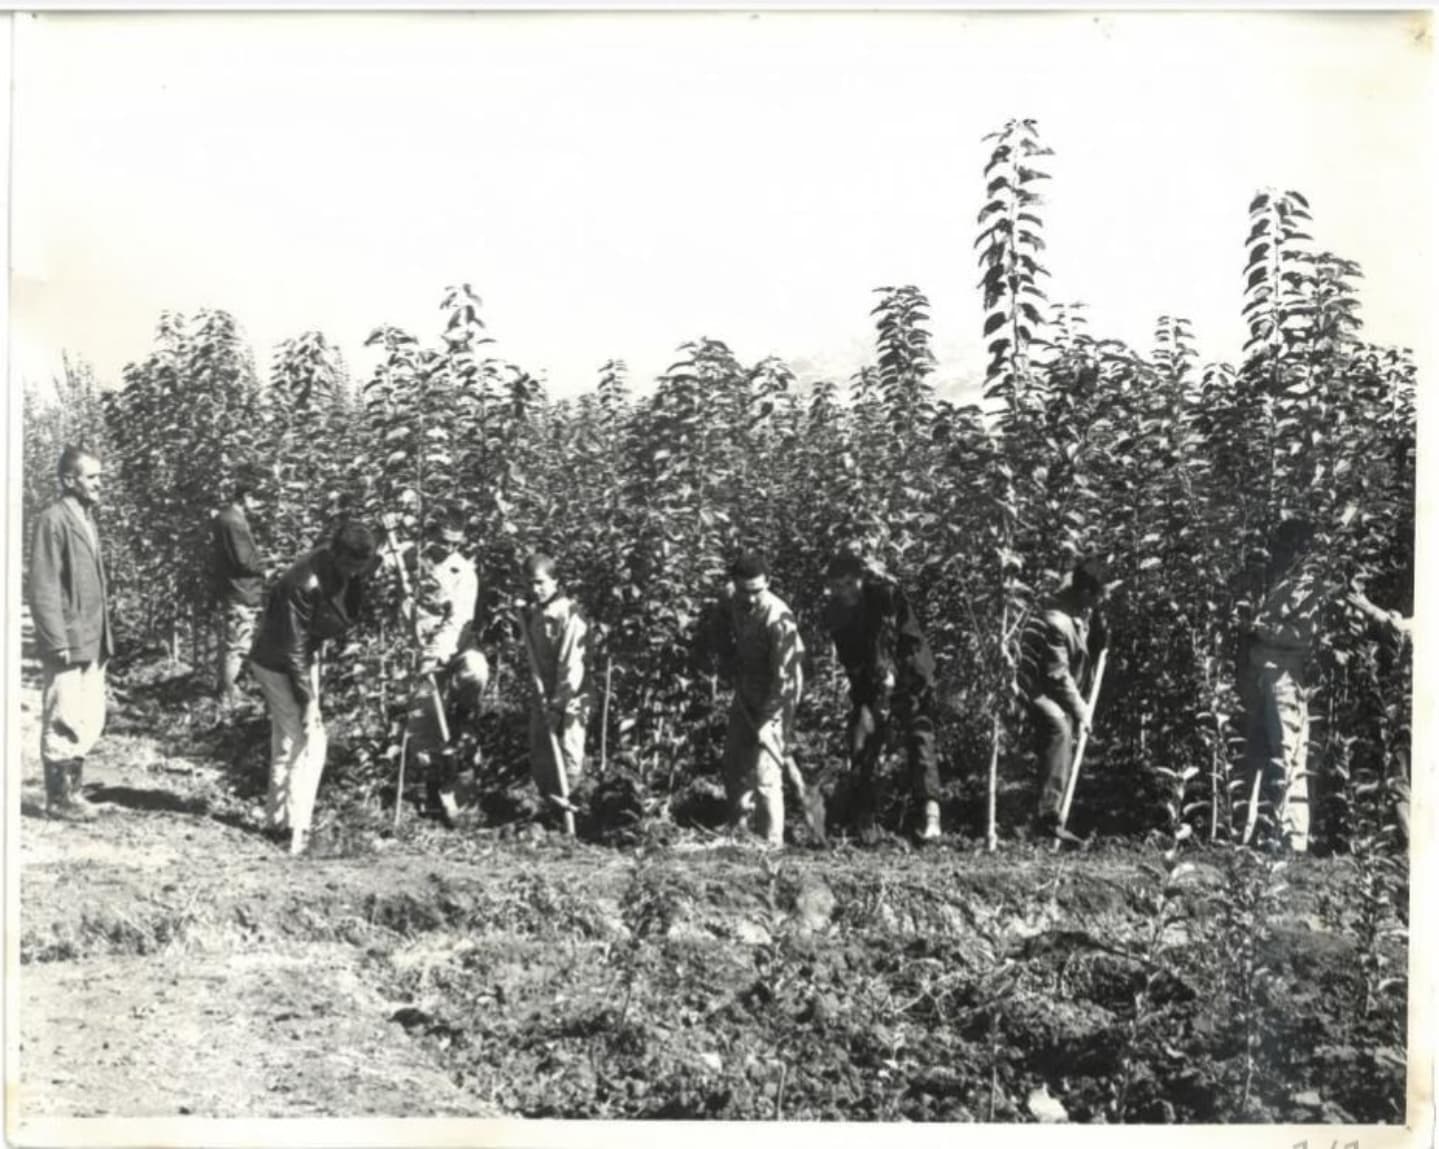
69, 604
891, 682
239, 583
317, 599
1058, 647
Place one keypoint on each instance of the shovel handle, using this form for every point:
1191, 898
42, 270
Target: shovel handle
1082, 744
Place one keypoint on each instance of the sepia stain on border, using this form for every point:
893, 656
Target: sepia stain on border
1420, 27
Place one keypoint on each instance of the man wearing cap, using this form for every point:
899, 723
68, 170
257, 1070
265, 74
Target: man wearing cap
69, 603
891, 674
760, 654
444, 618
1058, 647
239, 583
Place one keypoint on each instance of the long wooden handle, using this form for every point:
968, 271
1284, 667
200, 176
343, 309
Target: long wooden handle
1083, 740
439, 705
408, 603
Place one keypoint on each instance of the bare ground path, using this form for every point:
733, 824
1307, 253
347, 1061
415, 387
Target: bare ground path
174, 964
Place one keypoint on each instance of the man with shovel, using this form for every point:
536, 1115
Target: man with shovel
1057, 651
1274, 652
760, 653
316, 601
443, 609
891, 682
555, 637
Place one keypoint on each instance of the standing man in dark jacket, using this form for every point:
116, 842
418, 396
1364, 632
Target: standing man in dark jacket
239, 579
1057, 650
891, 676
69, 603
316, 599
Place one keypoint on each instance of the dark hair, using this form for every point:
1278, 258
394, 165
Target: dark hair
748, 565
353, 540
70, 458
539, 564
1292, 537
1089, 575
445, 522
247, 481
847, 564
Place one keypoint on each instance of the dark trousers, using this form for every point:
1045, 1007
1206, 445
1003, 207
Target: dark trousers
1052, 730
913, 715
427, 747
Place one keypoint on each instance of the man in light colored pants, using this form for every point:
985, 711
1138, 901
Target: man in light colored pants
557, 636
1277, 741
69, 603
1274, 651
315, 601
297, 749
761, 654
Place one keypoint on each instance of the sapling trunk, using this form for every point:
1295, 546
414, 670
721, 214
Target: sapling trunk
605, 716
400, 779
1214, 781
991, 834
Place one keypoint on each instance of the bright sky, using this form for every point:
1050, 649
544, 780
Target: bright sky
615, 185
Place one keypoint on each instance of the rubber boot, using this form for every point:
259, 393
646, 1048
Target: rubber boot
1047, 825
62, 792
931, 830
77, 796
56, 784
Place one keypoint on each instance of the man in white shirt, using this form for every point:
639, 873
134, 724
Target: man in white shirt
447, 587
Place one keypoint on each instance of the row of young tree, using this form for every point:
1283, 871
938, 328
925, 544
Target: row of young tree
1177, 472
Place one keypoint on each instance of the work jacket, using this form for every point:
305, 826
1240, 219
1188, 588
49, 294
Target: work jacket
69, 597
760, 653
309, 604
879, 642
239, 577
1285, 625
558, 636
1054, 659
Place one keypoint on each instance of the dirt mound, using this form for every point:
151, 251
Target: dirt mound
176, 960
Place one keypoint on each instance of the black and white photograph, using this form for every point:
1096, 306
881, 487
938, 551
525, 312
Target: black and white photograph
582, 575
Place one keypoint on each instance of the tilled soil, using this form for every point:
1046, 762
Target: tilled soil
174, 961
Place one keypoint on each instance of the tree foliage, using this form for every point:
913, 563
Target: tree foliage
1177, 471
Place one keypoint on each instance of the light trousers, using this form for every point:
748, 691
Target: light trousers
297, 749
236, 633
754, 774
1277, 747
73, 710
